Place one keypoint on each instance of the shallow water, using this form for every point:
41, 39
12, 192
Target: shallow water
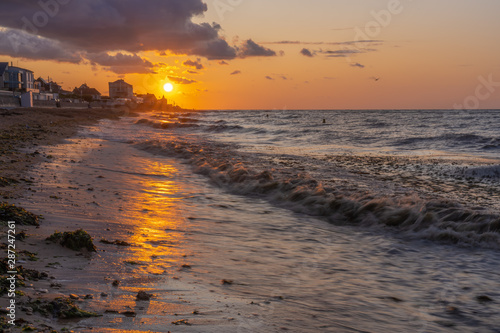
446, 189
288, 270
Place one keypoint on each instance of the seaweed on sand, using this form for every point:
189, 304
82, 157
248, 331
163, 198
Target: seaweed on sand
17, 214
75, 240
62, 308
22, 275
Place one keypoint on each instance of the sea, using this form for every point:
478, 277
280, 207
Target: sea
312, 220
426, 174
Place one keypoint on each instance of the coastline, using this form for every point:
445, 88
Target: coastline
25, 135
59, 182
21, 129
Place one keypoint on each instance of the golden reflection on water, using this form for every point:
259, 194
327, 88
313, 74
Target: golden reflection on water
154, 225
156, 220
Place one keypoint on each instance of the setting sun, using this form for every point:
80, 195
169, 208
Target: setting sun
168, 87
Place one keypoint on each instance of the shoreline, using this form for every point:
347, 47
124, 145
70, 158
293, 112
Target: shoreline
26, 134
62, 184
22, 129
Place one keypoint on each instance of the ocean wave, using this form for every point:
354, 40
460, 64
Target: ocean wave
452, 140
411, 215
187, 120
164, 124
376, 123
179, 123
222, 128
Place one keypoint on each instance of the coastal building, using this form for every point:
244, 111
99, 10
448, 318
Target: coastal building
47, 90
87, 93
16, 78
47, 86
121, 89
148, 99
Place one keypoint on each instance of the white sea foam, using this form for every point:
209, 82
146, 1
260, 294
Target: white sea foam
412, 213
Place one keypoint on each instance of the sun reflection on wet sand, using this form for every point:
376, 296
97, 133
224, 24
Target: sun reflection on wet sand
154, 215
133, 199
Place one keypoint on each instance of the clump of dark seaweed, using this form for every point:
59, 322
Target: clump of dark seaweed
17, 214
62, 308
75, 240
22, 274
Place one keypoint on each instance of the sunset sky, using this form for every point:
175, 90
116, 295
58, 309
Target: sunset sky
265, 54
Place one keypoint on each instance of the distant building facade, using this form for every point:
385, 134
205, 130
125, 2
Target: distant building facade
121, 89
47, 86
149, 99
15, 78
87, 93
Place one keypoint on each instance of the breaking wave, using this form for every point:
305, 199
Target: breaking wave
412, 215
188, 123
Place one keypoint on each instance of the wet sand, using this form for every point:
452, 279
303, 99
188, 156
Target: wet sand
22, 129
49, 169
25, 134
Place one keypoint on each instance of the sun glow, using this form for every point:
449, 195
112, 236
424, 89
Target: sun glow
168, 87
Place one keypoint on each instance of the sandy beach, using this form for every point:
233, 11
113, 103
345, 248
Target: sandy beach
24, 133
45, 169
22, 129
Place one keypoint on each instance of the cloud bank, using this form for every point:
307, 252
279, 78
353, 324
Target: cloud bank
72, 31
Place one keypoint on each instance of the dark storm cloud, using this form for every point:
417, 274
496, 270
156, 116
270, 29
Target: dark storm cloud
64, 30
17, 42
103, 25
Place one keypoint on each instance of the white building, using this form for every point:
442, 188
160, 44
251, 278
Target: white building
16, 78
121, 89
